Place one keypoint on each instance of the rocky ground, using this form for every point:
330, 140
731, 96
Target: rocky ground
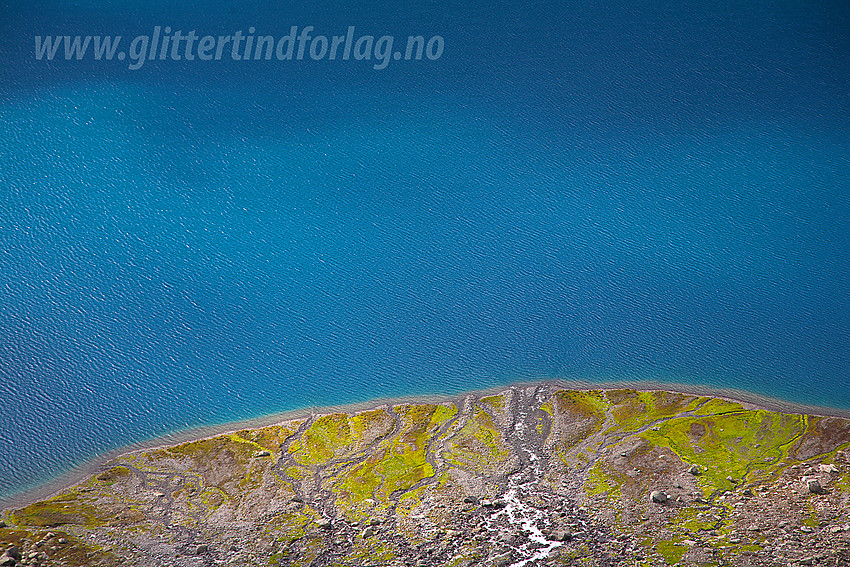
531, 476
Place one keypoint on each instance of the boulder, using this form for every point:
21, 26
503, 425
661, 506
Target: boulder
14, 553
7, 561
694, 470
263, 454
814, 486
201, 549
658, 497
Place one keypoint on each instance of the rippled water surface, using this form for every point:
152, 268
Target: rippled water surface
629, 192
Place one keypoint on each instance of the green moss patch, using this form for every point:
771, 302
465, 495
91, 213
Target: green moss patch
479, 445
61, 510
729, 444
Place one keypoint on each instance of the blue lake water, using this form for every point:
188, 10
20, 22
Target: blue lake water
640, 191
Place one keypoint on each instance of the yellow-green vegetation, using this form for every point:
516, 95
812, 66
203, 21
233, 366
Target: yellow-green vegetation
398, 463
691, 521
404, 462
113, 475
338, 436
585, 403
411, 466
64, 509
633, 410
269, 438
359, 483
746, 442
326, 437
409, 499
717, 406
671, 551
287, 526
601, 482
843, 483
479, 445
370, 551
495, 402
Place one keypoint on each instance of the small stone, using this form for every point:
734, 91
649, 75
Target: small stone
375, 522
368, 532
324, 524
694, 470
201, 549
748, 492
62, 541
2, 524
806, 529
658, 497
730, 479
263, 454
470, 500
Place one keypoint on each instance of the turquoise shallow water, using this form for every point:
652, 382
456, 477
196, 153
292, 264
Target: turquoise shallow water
585, 193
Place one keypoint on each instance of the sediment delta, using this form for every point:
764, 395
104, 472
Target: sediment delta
533, 475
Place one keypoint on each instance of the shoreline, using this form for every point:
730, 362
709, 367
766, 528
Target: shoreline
77, 474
